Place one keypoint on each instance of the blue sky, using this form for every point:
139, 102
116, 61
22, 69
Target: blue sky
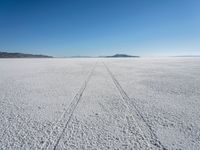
100, 27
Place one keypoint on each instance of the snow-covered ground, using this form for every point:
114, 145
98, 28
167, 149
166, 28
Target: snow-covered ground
132, 103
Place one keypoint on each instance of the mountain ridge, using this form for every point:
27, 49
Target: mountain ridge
22, 55
121, 55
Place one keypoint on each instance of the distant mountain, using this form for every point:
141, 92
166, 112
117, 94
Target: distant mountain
21, 55
120, 55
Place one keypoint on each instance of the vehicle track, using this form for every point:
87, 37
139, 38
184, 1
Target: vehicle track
99, 121
136, 116
59, 127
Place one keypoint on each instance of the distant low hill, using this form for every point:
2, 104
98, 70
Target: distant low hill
21, 55
120, 55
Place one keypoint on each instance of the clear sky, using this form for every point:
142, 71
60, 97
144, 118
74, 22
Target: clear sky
100, 27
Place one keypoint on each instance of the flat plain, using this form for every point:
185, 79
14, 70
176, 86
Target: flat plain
100, 103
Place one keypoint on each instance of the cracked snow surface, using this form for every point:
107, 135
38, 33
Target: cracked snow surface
123, 103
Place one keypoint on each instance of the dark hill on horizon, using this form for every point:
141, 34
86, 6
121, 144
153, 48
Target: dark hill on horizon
121, 55
21, 55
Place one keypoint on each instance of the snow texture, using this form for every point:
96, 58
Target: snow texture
87, 103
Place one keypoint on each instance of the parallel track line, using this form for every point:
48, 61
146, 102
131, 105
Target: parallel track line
59, 128
153, 137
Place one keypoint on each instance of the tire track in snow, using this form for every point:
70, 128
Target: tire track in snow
60, 126
151, 138
99, 121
